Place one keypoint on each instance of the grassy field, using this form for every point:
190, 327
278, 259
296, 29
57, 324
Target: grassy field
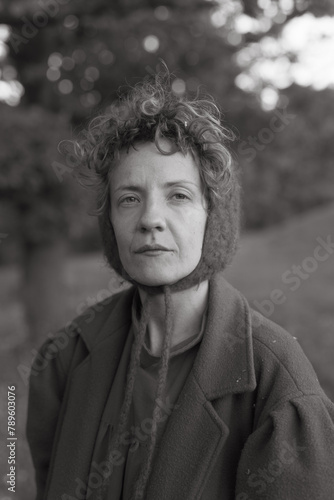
259, 268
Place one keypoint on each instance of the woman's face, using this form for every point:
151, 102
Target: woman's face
158, 212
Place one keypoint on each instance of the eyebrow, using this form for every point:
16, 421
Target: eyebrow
134, 187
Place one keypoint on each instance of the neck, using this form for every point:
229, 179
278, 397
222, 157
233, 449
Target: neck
188, 307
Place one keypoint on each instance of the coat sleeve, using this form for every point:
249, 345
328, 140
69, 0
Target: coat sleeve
46, 391
290, 455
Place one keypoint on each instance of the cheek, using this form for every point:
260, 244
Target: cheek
201, 224
121, 239
120, 233
196, 233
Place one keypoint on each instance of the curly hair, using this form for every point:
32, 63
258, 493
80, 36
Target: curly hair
151, 111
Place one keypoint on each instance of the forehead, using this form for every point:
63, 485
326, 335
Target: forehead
146, 164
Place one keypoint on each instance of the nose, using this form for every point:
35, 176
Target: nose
152, 217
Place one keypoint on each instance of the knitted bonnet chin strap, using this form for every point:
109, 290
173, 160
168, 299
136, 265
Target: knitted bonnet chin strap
141, 483
138, 490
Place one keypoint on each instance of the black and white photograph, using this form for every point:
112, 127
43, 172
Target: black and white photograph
167, 249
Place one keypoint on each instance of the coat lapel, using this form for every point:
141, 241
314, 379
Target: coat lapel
195, 433
90, 386
192, 441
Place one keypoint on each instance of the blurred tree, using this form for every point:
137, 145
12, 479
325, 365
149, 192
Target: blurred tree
287, 163
71, 56
74, 55
39, 209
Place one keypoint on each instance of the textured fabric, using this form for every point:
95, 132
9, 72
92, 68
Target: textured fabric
134, 445
251, 423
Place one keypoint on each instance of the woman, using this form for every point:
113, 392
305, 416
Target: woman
174, 388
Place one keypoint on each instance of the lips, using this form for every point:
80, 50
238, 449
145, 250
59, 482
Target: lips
152, 248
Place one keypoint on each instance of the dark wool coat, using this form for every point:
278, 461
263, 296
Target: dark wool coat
250, 423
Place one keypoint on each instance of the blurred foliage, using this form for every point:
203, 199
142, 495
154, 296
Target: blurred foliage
30, 139
38, 209
294, 171
72, 65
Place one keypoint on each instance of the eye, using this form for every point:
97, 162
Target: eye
129, 200
180, 196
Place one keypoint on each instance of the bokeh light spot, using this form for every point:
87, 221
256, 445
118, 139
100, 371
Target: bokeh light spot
4, 32
269, 98
106, 57
286, 6
264, 4
218, 19
53, 74
178, 86
90, 99
92, 74
11, 92
279, 18
234, 38
245, 82
151, 43
271, 10
161, 13
71, 22
65, 86
245, 24
55, 60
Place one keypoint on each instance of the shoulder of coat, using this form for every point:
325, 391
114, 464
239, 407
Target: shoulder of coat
279, 358
89, 322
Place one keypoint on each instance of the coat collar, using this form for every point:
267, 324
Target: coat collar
195, 434
226, 346
105, 318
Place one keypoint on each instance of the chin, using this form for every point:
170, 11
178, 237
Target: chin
156, 279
